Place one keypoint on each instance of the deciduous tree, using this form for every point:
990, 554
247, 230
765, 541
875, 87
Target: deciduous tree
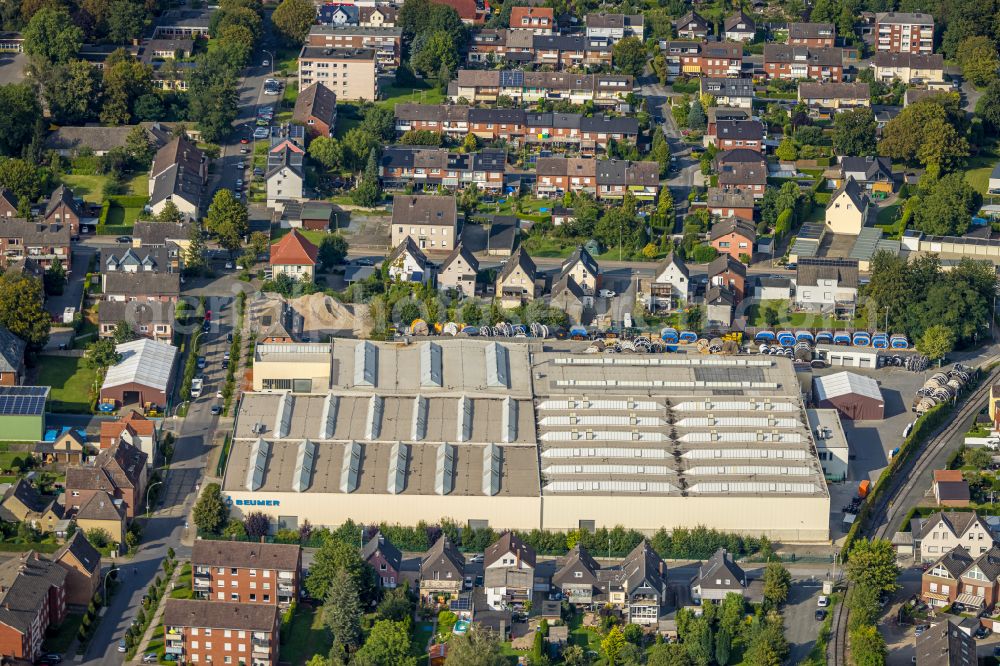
629, 56
867, 646
332, 251
937, 342
873, 563
479, 647
854, 132
292, 20
51, 37
327, 152
777, 581
387, 643
946, 206
227, 219
977, 56
210, 511
20, 110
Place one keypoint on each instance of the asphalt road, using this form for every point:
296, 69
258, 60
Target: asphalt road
165, 528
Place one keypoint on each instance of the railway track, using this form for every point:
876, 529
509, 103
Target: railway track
887, 510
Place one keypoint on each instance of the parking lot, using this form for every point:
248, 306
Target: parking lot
12, 67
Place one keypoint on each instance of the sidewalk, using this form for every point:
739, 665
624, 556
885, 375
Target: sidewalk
148, 636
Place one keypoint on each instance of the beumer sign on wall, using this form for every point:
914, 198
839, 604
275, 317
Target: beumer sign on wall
520, 436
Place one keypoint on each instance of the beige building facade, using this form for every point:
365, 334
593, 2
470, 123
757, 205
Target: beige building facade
351, 73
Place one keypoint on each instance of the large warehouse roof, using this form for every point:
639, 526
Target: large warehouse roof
846, 383
146, 362
482, 420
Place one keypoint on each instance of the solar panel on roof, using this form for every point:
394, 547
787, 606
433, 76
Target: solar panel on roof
23, 400
513, 78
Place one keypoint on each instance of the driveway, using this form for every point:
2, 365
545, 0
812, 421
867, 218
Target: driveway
73, 291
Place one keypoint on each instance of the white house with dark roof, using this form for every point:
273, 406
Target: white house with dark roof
718, 576
459, 271
407, 263
509, 572
178, 174
670, 287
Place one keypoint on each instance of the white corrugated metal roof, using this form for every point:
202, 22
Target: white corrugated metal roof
844, 383
145, 362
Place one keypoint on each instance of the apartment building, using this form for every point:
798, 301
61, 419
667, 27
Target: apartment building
614, 27
477, 86
63, 209
451, 120
558, 175
32, 599
401, 166
351, 73
615, 178
814, 35
379, 16
35, 245
783, 61
246, 573
692, 26
742, 169
710, 59
904, 32
201, 632
120, 471
431, 221
178, 175
385, 41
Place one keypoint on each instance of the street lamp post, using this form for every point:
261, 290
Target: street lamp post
104, 584
272, 60
151, 486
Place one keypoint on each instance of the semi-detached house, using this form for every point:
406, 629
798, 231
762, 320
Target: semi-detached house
939, 533
784, 61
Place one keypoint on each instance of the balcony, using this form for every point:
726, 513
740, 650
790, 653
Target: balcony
202, 583
260, 645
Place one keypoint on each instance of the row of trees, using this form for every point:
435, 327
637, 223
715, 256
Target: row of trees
872, 569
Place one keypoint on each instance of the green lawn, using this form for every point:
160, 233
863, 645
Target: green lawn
422, 632
59, 639
71, 382
310, 234
804, 319
392, 95
120, 215
184, 590
585, 637
305, 636
887, 215
91, 187
979, 168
